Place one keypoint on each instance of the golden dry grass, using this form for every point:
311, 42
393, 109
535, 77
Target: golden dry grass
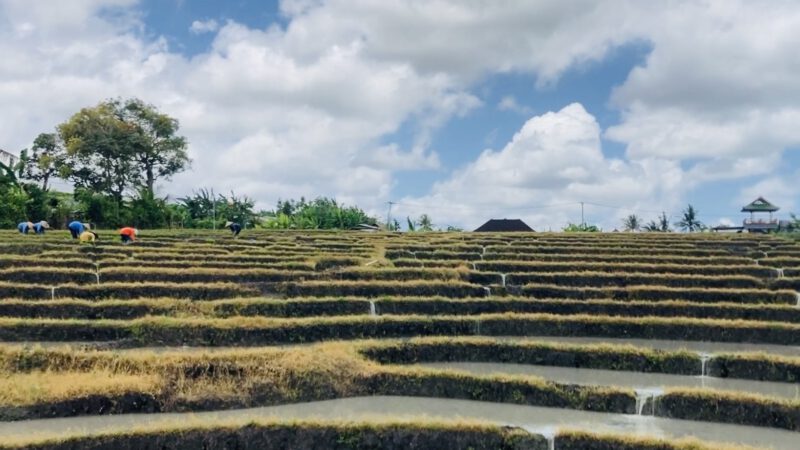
22, 389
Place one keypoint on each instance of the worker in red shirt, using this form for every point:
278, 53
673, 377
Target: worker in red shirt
128, 234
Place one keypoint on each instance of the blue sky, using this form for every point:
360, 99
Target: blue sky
173, 19
461, 111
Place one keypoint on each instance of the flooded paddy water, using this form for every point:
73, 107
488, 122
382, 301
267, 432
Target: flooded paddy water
364, 409
633, 380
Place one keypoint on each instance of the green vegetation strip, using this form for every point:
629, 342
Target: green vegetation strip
685, 269
202, 291
661, 293
580, 440
277, 434
265, 434
382, 288
639, 258
199, 275
602, 279
256, 330
130, 309
631, 308
343, 306
47, 275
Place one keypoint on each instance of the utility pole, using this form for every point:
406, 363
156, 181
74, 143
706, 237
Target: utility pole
583, 222
214, 210
389, 215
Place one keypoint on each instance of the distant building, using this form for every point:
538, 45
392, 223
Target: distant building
7, 159
504, 225
760, 224
755, 223
366, 227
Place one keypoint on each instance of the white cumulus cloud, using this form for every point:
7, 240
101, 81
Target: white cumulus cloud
204, 26
550, 165
309, 107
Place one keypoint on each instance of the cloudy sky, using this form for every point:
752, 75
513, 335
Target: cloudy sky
464, 110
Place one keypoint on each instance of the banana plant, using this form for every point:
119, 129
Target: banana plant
7, 176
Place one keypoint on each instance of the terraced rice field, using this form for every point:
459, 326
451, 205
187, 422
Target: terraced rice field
429, 340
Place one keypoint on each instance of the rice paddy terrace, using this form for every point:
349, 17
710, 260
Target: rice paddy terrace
427, 340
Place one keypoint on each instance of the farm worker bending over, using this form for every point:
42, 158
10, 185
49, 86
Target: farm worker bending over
76, 228
128, 234
40, 226
24, 227
88, 237
234, 227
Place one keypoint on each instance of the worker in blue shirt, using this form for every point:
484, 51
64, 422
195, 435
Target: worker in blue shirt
77, 228
40, 227
24, 227
234, 227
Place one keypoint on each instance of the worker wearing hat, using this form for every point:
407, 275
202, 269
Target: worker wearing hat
234, 227
76, 228
24, 227
88, 237
40, 227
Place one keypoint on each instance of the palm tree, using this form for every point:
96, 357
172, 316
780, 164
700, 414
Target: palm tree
632, 223
425, 223
7, 176
689, 222
662, 226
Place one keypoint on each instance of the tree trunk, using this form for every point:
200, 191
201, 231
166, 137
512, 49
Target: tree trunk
150, 179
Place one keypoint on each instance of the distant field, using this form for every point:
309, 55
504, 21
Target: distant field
188, 320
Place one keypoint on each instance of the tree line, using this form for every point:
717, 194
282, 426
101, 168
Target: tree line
689, 223
113, 154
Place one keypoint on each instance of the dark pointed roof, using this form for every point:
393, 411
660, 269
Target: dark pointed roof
504, 225
760, 205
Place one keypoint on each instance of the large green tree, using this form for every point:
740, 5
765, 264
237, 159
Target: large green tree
159, 152
118, 146
45, 160
100, 151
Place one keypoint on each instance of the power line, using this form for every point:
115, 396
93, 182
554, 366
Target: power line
389, 213
495, 206
622, 208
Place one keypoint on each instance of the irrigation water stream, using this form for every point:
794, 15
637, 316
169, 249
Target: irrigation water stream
635, 380
534, 419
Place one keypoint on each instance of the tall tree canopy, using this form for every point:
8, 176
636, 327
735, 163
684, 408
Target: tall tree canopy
100, 149
45, 160
158, 151
119, 145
